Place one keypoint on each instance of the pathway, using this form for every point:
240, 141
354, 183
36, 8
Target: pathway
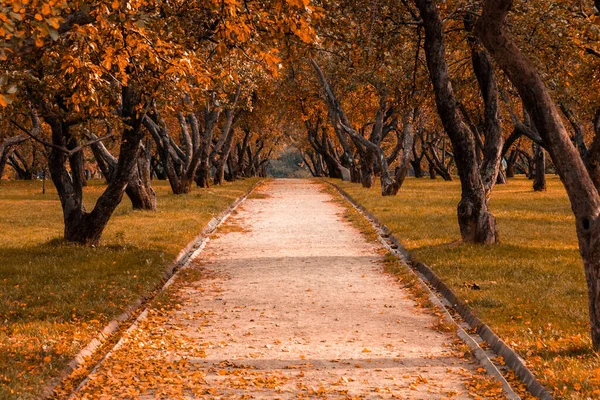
286, 301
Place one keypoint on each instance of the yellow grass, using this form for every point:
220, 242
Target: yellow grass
533, 291
55, 297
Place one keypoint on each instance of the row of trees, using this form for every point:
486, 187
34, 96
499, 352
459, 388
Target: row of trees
147, 87
195, 91
480, 87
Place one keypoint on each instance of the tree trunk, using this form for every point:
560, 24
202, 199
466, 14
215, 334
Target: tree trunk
432, 172
476, 223
579, 184
225, 143
317, 164
510, 164
492, 129
389, 186
81, 226
229, 176
139, 189
367, 172
337, 117
3, 158
23, 168
417, 169
203, 175
501, 180
222, 162
158, 170
539, 182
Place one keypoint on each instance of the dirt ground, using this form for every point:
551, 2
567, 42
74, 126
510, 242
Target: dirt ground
287, 301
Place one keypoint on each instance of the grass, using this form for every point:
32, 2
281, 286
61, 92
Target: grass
55, 297
533, 291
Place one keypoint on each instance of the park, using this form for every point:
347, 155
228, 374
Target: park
345, 199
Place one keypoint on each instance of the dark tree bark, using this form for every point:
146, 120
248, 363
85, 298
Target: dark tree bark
238, 162
225, 144
389, 185
317, 162
139, 189
539, 182
417, 157
577, 129
527, 164
338, 117
476, 223
432, 172
492, 129
202, 176
254, 158
579, 183
510, 163
182, 165
369, 149
437, 164
592, 157
309, 164
23, 168
323, 147
157, 169
81, 226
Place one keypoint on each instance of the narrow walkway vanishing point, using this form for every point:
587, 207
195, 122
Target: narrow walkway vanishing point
287, 301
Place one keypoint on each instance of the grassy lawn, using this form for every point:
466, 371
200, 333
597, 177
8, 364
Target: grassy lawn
533, 291
55, 297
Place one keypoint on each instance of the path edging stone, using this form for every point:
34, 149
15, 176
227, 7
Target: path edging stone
191, 250
429, 278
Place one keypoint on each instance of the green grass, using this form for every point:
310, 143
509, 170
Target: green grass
54, 297
533, 287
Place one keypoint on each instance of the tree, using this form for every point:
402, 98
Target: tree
182, 163
476, 222
73, 63
579, 183
139, 188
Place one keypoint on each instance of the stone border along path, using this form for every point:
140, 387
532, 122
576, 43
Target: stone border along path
288, 301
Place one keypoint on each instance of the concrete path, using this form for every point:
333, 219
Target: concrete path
287, 301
